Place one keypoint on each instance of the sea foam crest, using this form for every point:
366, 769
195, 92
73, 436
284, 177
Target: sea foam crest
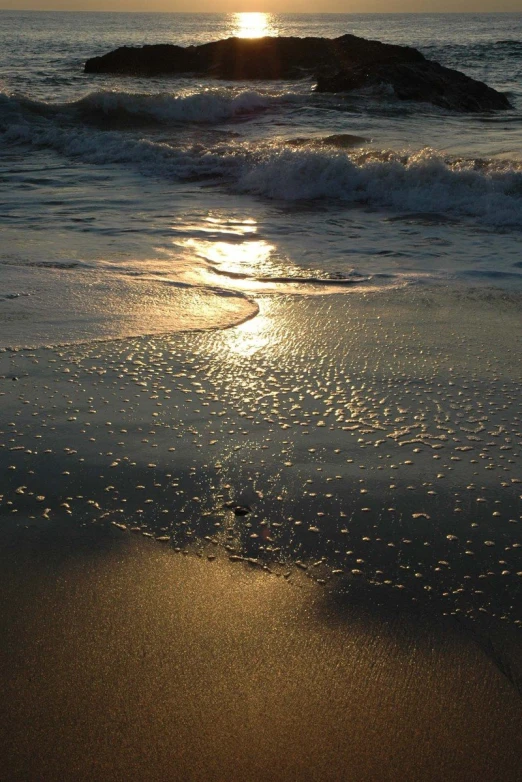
207, 106
111, 148
487, 190
421, 182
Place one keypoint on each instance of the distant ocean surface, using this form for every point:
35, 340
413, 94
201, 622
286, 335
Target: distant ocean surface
212, 192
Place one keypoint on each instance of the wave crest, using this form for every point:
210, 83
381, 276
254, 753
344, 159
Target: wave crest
488, 190
426, 182
208, 106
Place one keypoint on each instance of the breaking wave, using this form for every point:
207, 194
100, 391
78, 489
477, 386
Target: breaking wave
424, 182
208, 106
488, 190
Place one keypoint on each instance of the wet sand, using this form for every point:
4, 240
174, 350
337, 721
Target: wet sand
360, 621
126, 662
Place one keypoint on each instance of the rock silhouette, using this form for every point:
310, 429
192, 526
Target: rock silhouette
426, 81
340, 64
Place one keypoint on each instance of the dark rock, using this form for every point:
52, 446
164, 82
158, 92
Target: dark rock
145, 61
341, 65
239, 510
421, 81
340, 140
252, 58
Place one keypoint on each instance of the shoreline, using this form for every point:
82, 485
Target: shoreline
392, 446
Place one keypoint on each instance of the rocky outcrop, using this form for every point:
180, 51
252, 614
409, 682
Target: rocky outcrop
420, 81
251, 58
340, 65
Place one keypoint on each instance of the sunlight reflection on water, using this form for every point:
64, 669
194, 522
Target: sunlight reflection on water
252, 335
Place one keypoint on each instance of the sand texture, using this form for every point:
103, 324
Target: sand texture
287, 550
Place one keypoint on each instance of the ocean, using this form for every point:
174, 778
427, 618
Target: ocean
215, 191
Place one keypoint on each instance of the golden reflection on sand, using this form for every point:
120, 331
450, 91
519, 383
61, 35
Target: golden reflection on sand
127, 662
253, 334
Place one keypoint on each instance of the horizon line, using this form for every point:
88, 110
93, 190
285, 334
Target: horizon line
279, 13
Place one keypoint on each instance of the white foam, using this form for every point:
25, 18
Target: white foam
490, 191
206, 106
423, 182
209, 106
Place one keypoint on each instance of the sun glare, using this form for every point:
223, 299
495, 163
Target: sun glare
252, 24
250, 337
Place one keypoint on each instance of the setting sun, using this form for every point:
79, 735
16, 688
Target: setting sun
252, 24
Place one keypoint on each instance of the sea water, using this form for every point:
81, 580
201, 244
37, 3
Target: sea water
118, 192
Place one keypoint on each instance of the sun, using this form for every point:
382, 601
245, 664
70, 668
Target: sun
250, 24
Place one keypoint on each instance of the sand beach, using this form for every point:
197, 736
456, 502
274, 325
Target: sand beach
268, 552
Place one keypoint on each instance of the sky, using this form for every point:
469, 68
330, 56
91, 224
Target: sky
278, 6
